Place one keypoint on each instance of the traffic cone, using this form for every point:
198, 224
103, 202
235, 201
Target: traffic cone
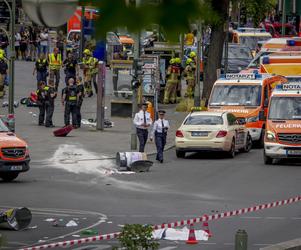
191, 236
206, 227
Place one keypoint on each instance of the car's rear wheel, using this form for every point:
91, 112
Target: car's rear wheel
231, 152
248, 145
180, 154
8, 176
267, 159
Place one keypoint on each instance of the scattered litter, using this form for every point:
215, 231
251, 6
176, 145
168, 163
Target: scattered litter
71, 223
110, 222
33, 227
75, 235
84, 218
89, 232
58, 223
75, 218
92, 123
178, 234
120, 225
50, 220
41, 241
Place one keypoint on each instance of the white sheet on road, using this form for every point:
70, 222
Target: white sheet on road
178, 234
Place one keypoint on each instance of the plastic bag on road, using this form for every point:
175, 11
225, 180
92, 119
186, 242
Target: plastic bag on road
15, 218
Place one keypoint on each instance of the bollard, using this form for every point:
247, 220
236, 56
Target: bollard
241, 240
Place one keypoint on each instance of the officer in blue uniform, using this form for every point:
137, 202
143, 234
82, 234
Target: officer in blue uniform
159, 131
142, 121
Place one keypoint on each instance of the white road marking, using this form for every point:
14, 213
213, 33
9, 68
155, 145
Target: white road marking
167, 248
296, 218
261, 245
275, 218
228, 244
250, 217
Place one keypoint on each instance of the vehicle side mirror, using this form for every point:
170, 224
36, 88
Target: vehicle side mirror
266, 103
262, 116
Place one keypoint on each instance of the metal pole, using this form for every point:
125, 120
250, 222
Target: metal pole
101, 96
82, 35
197, 90
283, 18
135, 94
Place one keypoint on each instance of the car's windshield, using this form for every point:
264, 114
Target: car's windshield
204, 120
236, 95
239, 52
252, 41
285, 108
3, 128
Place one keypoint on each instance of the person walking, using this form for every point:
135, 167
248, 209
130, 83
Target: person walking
70, 67
70, 97
60, 42
40, 68
42, 95
55, 63
142, 121
159, 131
88, 66
172, 75
24, 45
17, 44
81, 92
50, 97
3, 74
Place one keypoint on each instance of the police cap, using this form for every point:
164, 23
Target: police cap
161, 112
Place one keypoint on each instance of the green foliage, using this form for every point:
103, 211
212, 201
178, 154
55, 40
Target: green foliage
259, 9
137, 237
174, 16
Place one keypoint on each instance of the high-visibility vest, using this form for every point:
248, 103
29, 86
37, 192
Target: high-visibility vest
90, 65
95, 64
55, 63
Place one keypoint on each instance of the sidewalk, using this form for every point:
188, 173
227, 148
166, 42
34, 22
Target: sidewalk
108, 142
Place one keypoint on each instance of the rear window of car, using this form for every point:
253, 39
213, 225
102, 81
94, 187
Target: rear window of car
204, 120
3, 128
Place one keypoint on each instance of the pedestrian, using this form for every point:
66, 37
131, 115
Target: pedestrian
190, 78
55, 63
70, 97
17, 44
41, 101
81, 92
70, 67
51, 95
142, 121
94, 74
32, 48
3, 74
41, 67
23, 45
44, 42
159, 131
88, 66
60, 43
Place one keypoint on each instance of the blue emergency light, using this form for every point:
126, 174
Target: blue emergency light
266, 60
291, 42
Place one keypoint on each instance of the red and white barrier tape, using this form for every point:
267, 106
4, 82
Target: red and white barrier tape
171, 225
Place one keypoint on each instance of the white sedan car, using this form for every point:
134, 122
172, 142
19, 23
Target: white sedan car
212, 131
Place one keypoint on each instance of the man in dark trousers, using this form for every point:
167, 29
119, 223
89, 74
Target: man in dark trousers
70, 97
70, 67
42, 95
51, 95
41, 67
142, 121
159, 131
81, 94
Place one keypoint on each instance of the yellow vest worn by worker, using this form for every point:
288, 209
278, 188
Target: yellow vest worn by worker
55, 62
95, 66
89, 65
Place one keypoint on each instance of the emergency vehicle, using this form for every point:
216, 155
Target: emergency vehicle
283, 126
249, 37
247, 97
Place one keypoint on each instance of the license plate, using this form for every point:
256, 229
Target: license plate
294, 152
16, 168
198, 133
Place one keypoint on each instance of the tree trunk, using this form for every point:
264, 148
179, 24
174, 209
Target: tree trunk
215, 51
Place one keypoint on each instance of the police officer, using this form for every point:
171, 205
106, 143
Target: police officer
70, 98
41, 68
41, 101
70, 67
81, 94
50, 97
159, 131
142, 121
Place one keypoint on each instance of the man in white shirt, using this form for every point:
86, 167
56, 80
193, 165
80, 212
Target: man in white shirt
44, 42
142, 121
160, 132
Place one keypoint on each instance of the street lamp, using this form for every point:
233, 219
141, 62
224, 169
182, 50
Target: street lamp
49, 13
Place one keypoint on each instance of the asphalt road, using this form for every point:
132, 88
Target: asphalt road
175, 190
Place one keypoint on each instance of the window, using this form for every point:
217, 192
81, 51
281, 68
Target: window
231, 119
204, 120
266, 96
